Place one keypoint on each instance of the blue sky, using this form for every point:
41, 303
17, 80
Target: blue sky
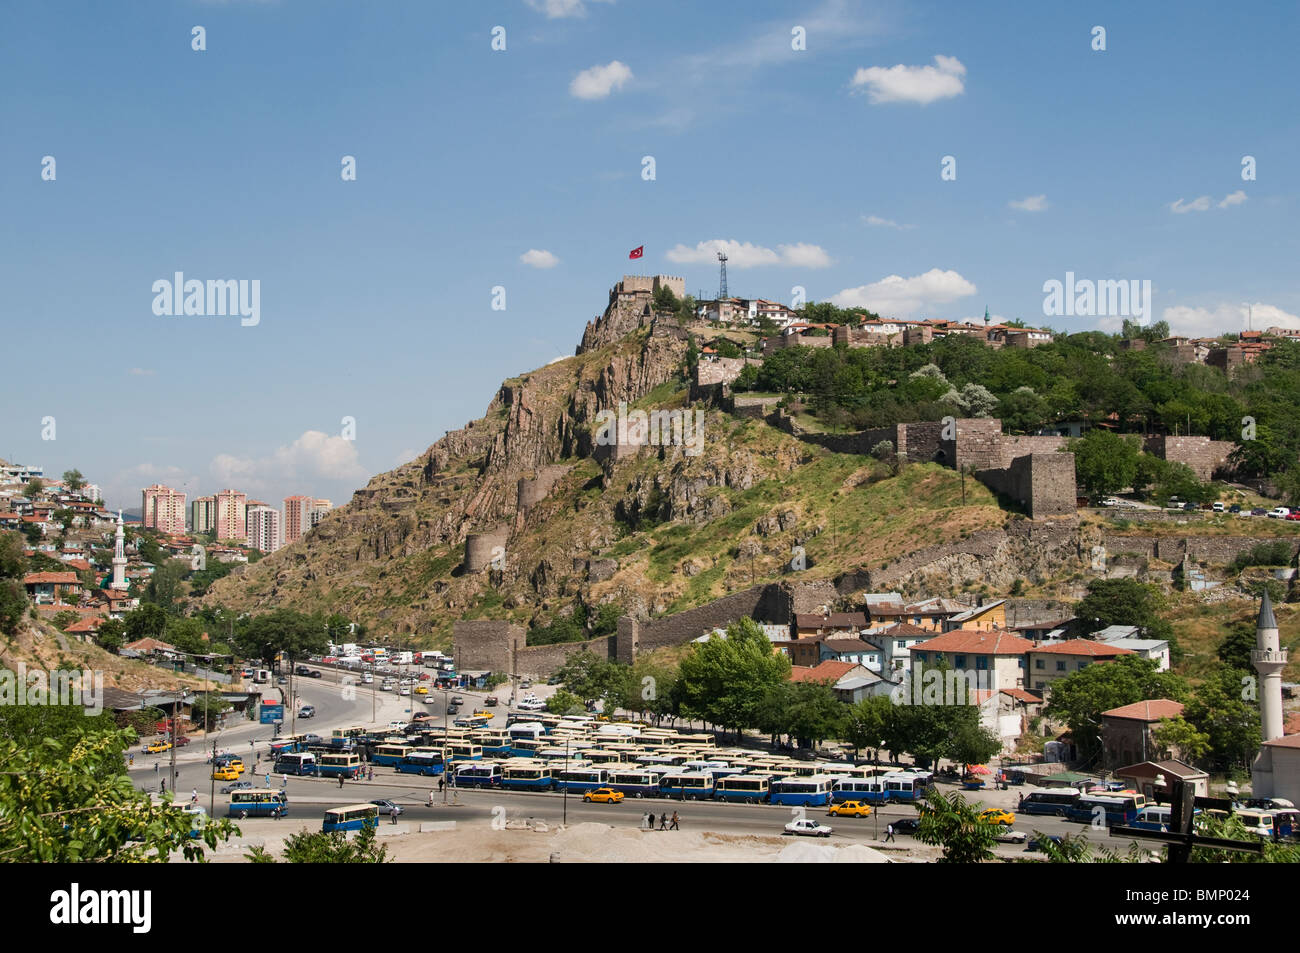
822, 165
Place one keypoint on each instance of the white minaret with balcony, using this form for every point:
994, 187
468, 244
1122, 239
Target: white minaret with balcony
1268, 659
119, 557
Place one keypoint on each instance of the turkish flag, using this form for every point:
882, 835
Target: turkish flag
636, 252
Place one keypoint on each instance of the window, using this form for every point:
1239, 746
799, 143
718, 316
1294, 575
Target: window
1083, 664
981, 662
1039, 663
1038, 685
959, 661
1060, 666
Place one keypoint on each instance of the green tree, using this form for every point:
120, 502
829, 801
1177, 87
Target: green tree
318, 847
282, 631
664, 299
1234, 651
1081, 697
13, 563
867, 722
1230, 721
146, 621
564, 703
13, 605
950, 822
111, 635
1127, 602
207, 708
1104, 462
65, 796
594, 679
74, 480
1179, 734
723, 680
35, 486
814, 713
166, 583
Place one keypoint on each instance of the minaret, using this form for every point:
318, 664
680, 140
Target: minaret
1269, 658
119, 557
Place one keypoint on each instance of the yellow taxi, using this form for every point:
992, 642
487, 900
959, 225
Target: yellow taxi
421, 689
850, 809
480, 713
225, 773
603, 796
157, 747
995, 815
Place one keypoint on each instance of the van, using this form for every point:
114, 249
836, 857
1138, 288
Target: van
1218, 507
1259, 823
1153, 817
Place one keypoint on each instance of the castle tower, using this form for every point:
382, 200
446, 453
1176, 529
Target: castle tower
1269, 658
119, 557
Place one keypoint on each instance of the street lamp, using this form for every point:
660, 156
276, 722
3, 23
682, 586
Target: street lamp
212, 786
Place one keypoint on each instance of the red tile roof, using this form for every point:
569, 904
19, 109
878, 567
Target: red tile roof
35, 578
1020, 695
1286, 741
825, 672
1081, 647
88, 624
835, 620
978, 643
1152, 710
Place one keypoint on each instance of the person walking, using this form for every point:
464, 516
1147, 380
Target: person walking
194, 796
340, 782
370, 773
889, 833
440, 784
284, 782
155, 769
430, 804
162, 786
663, 821
268, 779
673, 826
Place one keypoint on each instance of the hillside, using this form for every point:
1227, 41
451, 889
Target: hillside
656, 531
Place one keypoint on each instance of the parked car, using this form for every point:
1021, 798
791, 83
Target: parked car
1235, 508
1012, 837
1279, 513
1036, 843
182, 741
1259, 511
491, 701
807, 827
1189, 506
1218, 507
1293, 516
1110, 501
385, 806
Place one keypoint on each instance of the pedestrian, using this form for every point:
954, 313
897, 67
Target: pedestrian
370, 776
440, 782
889, 833
162, 786
674, 826
340, 782
1020, 803
130, 761
155, 768
284, 781
194, 796
430, 804
268, 779
663, 821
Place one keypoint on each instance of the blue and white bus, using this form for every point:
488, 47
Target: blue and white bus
478, 774
494, 742
749, 788
302, 764
1121, 808
687, 785
258, 802
871, 790
1057, 802
581, 778
635, 782
463, 751
814, 790
339, 764
351, 817
526, 747
389, 755
526, 777
425, 761
906, 786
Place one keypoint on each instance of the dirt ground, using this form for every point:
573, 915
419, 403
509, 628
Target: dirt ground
593, 843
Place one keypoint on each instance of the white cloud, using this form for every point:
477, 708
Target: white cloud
539, 258
1226, 319
313, 455
1202, 203
912, 84
749, 255
140, 372
1032, 203
878, 222
896, 296
599, 81
561, 9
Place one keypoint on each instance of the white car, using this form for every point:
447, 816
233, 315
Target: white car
808, 828
1009, 836
404, 690
1111, 501
396, 725
1279, 513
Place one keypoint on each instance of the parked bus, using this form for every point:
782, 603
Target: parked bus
581, 778
343, 735
871, 790
301, 764
1115, 808
527, 777
346, 764
1259, 823
906, 787
1057, 802
464, 751
352, 817
635, 782
426, 761
287, 746
526, 748
693, 785
814, 790
389, 755
496, 743
750, 788
602, 756
258, 802
483, 774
